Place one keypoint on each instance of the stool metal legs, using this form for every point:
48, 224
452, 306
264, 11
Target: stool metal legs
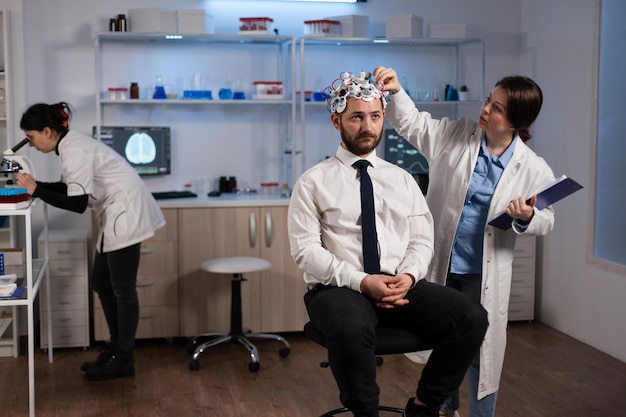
236, 334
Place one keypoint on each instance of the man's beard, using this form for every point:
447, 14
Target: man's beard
358, 147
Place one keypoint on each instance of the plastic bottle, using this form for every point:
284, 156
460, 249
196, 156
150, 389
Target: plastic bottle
134, 90
232, 185
120, 25
223, 184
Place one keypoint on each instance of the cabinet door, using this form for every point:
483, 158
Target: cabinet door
282, 287
157, 284
209, 233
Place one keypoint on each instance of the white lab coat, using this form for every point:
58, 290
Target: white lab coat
451, 148
127, 212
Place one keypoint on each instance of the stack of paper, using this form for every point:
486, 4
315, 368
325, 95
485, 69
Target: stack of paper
7, 290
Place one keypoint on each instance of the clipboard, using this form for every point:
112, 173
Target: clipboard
558, 190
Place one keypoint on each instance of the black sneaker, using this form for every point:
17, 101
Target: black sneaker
414, 410
119, 364
102, 358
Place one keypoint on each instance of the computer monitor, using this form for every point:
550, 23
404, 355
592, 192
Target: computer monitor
401, 153
147, 149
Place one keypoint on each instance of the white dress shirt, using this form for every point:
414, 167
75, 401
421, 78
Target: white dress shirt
324, 222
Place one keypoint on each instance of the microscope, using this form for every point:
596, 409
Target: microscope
12, 163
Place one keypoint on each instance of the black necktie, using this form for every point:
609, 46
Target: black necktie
368, 221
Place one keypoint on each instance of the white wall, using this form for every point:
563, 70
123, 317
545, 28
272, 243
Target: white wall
578, 295
552, 41
60, 62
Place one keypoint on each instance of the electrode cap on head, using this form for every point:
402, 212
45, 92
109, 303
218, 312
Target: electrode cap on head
361, 86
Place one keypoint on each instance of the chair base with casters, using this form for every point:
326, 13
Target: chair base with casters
389, 341
236, 266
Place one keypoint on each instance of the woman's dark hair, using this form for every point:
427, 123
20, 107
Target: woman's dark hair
525, 100
42, 115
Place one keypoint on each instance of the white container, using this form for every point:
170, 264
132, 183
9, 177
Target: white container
152, 20
269, 90
353, 25
194, 22
323, 27
404, 26
448, 30
255, 25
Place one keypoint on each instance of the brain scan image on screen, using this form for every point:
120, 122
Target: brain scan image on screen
140, 148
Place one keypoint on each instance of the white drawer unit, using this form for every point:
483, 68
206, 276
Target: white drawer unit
522, 300
69, 289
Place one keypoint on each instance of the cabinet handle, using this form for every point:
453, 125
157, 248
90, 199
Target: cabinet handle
63, 252
64, 269
146, 315
252, 235
146, 250
268, 230
145, 283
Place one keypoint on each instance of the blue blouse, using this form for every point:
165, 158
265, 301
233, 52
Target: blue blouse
467, 250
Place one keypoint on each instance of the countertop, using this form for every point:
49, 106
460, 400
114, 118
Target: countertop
225, 200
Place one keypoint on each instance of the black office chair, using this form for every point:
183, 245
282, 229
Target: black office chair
388, 341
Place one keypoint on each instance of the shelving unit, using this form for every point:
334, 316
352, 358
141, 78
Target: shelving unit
8, 327
35, 273
453, 61
7, 235
522, 299
179, 58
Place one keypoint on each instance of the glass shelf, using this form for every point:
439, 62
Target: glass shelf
340, 41
39, 266
208, 38
178, 101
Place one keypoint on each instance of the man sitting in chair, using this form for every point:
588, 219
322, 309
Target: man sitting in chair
365, 265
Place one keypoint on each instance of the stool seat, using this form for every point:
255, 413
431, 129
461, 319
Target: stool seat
235, 264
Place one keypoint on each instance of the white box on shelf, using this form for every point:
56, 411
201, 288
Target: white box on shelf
404, 26
11, 256
448, 30
152, 20
353, 25
195, 21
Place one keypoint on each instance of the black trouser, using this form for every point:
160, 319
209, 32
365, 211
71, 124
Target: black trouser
454, 324
114, 278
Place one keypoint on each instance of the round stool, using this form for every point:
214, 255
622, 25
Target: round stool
236, 266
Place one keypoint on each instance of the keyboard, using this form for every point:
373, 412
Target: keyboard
162, 195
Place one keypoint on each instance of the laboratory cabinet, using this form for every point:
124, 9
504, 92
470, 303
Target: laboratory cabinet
69, 289
522, 298
157, 285
271, 300
424, 67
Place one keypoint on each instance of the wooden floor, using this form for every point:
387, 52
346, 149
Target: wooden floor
547, 374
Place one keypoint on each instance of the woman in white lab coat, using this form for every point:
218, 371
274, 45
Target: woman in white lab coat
476, 171
95, 176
